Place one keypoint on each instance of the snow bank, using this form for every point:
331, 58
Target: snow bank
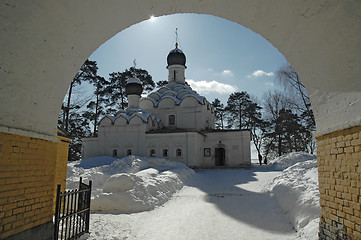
95, 162
130, 184
290, 159
296, 188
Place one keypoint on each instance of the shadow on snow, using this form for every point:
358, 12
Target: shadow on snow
223, 188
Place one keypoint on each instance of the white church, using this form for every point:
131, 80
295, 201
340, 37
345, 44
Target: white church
173, 122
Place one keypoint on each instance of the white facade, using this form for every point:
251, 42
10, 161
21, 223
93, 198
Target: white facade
173, 122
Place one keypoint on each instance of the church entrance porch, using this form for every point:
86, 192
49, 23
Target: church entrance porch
220, 156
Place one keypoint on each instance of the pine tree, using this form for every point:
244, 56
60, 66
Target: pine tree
286, 134
243, 112
161, 83
96, 108
237, 114
256, 125
288, 77
219, 112
117, 82
87, 72
79, 128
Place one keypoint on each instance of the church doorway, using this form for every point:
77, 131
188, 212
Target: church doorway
220, 155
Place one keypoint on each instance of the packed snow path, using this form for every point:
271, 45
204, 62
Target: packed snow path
215, 204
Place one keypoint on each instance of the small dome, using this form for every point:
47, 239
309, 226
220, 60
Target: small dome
134, 80
176, 57
133, 87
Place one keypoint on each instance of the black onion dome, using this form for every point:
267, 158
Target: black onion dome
176, 57
133, 87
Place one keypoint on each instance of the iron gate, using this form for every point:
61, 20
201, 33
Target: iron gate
72, 211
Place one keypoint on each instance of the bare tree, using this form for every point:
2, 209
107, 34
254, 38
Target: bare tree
273, 102
288, 78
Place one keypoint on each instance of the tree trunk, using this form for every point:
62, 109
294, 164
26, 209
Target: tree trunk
221, 121
279, 146
96, 116
63, 122
240, 116
122, 98
68, 107
69, 96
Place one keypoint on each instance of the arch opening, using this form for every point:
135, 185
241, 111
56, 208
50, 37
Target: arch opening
321, 40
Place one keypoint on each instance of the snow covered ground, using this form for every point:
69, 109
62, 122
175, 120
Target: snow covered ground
296, 191
263, 202
131, 184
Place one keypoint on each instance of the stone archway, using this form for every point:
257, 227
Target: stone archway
44, 43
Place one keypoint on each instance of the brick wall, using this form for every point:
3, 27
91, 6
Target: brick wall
27, 182
61, 165
339, 161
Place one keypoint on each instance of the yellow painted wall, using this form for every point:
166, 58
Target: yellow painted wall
27, 181
61, 165
339, 164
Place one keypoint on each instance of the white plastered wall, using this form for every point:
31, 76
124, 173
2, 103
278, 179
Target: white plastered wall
44, 43
120, 137
190, 114
237, 145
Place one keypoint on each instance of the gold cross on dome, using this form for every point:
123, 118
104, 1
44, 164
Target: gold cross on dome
176, 37
134, 65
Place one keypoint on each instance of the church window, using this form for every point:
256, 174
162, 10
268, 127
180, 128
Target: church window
152, 153
129, 152
178, 152
115, 152
165, 152
207, 152
171, 119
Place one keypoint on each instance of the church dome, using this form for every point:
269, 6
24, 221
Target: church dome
133, 86
176, 57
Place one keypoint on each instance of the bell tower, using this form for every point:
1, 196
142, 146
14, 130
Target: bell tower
176, 64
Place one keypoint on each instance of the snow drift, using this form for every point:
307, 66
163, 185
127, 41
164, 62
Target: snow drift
290, 159
130, 184
296, 188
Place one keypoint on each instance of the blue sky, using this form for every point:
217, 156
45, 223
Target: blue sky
222, 56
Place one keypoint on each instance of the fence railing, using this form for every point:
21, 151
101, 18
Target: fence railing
72, 212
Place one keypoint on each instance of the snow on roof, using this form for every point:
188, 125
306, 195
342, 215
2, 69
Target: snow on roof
133, 80
174, 89
130, 113
155, 95
176, 50
155, 102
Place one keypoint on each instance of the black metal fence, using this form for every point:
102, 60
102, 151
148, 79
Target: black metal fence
72, 212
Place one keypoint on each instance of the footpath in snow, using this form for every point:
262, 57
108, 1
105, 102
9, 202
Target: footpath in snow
268, 202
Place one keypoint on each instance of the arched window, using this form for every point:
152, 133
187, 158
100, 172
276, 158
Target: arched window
152, 153
115, 152
165, 152
129, 152
178, 152
171, 119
